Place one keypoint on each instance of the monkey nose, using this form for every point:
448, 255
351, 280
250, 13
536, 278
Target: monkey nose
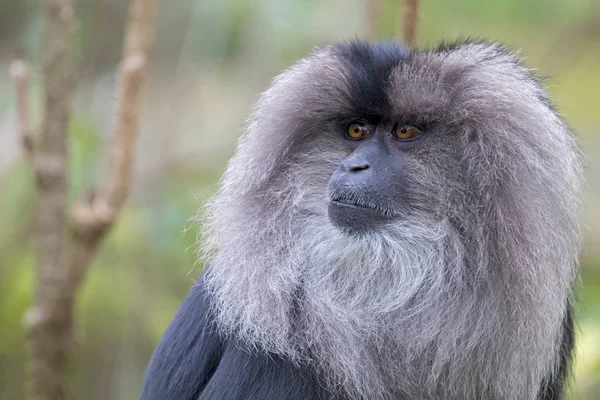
355, 164
359, 167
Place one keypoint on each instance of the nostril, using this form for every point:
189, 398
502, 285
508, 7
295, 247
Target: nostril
361, 167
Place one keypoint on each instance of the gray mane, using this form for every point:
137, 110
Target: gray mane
464, 298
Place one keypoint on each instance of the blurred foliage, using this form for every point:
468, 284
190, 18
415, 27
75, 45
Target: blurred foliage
212, 59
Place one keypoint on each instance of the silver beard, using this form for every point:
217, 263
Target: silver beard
417, 309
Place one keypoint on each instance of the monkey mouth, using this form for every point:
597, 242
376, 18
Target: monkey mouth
359, 204
355, 215
352, 203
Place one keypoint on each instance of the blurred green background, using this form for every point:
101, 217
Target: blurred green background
212, 59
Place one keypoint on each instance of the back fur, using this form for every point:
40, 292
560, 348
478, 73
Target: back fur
464, 297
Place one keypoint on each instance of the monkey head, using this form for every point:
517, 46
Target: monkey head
407, 220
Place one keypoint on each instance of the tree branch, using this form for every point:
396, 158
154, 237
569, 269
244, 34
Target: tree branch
122, 155
139, 39
47, 344
61, 270
410, 21
20, 74
93, 215
374, 11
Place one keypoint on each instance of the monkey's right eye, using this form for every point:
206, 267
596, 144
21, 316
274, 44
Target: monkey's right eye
357, 131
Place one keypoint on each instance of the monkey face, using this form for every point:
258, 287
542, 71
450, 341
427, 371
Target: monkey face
369, 188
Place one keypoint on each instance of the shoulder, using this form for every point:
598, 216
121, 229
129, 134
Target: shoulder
188, 353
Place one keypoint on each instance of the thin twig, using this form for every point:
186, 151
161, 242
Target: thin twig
19, 71
139, 39
410, 22
122, 154
93, 216
95, 213
374, 11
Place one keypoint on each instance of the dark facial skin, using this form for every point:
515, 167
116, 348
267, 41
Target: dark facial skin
369, 188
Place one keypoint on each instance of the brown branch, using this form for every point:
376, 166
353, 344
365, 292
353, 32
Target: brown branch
20, 74
139, 39
122, 155
94, 215
374, 11
410, 21
47, 342
61, 270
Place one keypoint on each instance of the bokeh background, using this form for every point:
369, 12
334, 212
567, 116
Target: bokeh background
212, 59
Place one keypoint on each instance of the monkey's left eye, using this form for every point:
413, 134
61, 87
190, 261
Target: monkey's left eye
406, 132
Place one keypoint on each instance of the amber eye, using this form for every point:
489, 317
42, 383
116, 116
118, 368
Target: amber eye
357, 131
407, 132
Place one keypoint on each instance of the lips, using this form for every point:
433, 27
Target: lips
349, 202
345, 202
355, 215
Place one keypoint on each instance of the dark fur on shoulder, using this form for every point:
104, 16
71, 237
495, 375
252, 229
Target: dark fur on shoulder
189, 353
193, 363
